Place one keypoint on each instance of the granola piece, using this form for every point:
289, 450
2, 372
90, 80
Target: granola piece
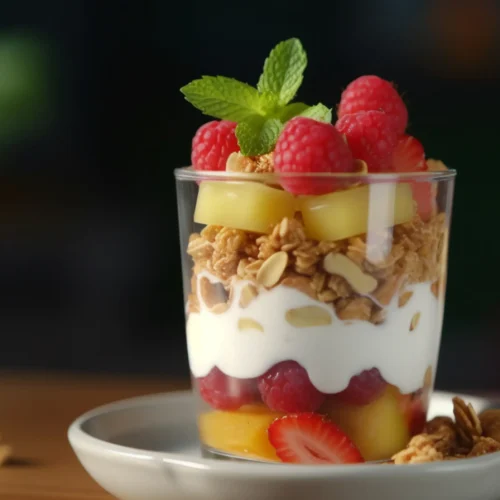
210, 232
421, 449
237, 162
248, 268
355, 308
378, 315
467, 422
442, 428
490, 422
5, 453
484, 445
387, 290
199, 248
340, 286
300, 283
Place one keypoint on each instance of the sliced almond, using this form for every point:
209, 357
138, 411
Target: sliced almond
249, 324
435, 289
360, 167
272, 269
404, 298
248, 293
308, 316
414, 321
219, 308
339, 264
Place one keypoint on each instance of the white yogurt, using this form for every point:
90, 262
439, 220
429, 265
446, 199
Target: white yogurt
331, 354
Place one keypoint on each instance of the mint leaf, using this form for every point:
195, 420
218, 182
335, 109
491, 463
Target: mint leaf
319, 112
258, 135
283, 70
223, 98
291, 110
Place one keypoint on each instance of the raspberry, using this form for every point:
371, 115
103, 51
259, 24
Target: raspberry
306, 146
368, 93
286, 387
212, 144
371, 137
409, 155
363, 388
227, 393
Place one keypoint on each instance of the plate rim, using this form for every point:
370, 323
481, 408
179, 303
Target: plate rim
82, 440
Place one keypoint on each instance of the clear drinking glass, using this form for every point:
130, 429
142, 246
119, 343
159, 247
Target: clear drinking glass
329, 303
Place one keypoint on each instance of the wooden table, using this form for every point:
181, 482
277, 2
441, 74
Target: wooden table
35, 412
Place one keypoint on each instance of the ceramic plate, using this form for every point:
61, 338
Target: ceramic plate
147, 449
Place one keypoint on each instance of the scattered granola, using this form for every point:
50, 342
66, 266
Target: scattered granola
5, 452
264, 164
468, 436
410, 253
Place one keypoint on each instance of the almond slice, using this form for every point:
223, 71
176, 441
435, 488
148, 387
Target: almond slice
337, 263
272, 269
414, 321
308, 316
249, 324
248, 293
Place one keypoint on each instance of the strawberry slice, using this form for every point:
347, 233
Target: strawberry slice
408, 155
309, 438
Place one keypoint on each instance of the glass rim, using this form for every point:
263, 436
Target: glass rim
190, 174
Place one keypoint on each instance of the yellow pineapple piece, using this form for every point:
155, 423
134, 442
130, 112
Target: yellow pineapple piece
242, 432
378, 429
250, 206
347, 213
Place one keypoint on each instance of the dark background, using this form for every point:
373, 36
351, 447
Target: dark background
92, 125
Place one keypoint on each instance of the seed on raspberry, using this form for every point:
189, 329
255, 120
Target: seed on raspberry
286, 387
370, 92
308, 146
227, 393
371, 137
212, 144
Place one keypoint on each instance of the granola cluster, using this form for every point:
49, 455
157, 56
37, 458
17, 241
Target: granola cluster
5, 452
386, 262
470, 435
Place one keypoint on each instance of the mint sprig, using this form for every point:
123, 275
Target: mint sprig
260, 112
284, 70
258, 136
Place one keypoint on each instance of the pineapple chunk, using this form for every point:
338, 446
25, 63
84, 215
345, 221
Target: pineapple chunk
347, 213
242, 432
378, 429
242, 205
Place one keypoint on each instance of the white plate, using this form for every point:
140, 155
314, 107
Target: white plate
147, 449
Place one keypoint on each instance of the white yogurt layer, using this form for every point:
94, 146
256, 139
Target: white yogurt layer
331, 354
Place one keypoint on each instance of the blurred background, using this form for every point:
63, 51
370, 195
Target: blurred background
92, 125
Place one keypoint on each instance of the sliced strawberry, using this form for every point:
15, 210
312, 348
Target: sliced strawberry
425, 197
408, 155
309, 438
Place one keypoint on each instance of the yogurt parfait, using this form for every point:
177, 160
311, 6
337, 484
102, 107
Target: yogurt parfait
314, 261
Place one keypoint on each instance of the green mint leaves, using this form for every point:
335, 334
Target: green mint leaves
258, 136
260, 112
283, 70
223, 98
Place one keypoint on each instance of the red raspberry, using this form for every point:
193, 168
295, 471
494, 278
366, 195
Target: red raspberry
212, 144
363, 388
368, 93
286, 387
227, 393
371, 137
306, 146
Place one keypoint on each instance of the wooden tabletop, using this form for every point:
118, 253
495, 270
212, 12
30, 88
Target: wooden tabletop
36, 410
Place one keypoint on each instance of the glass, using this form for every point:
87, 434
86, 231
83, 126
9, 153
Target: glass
329, 303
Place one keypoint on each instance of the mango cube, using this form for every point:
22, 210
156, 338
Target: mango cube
355, 211
378, 429
242, 432
250, 206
